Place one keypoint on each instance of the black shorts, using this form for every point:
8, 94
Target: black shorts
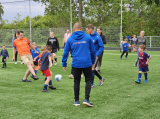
4, 59
54, 51
35, 63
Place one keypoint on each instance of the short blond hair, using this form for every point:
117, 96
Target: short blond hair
43, 48
34, 43
126, 39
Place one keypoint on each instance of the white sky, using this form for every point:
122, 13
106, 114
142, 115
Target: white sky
11, 9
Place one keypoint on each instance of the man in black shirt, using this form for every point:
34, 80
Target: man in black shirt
99, 31
53, 41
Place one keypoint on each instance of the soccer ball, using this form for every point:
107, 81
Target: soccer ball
58, 77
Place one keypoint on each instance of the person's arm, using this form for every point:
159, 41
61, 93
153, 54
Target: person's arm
50, 61
101, 46
148, 60
145, 45
93, 53
7, 54
12, 42
14, 52
65, 54
104, 40
47, 42
57, 44
0, 52
64, 39
35, 58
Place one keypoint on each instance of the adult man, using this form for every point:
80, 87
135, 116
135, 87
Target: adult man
83, 55
24, 52
53, 41
99, 31
98, 44
140, 40
66, 36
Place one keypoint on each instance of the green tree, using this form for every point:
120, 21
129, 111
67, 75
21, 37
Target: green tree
1, 12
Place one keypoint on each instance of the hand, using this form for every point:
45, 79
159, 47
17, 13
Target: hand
36, 52
71, 58
13, 59
145, 49
64, 68
50, 65
146, 63
92, 66
54, 61
8, 57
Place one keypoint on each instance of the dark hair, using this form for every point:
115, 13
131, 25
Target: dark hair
3, 45
20, 32
99, 28
90, 26
16, 33
49, 47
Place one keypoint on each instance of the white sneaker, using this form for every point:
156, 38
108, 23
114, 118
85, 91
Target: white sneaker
81, 75
22, 63
15, 62
55, 63
71, 76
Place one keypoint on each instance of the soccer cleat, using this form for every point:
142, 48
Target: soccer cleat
35, 77
22, 62
55, 63
126, 58
32, 76
81, 75
146, 81
26, 80
2, 67
76, 103
92, 86
99, 71
71, 76
15, 62
135, 64
45, 91
120, 57
138, 81
52, 87
87, 103
101, 81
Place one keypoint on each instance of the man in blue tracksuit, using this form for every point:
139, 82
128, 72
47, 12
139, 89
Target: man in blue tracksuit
83, 59
99, 47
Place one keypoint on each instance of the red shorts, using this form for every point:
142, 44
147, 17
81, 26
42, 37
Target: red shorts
46, 72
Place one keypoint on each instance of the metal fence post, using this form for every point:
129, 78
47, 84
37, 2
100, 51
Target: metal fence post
13, 32
49, 31
150, 41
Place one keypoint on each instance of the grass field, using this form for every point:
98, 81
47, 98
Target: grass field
118, 98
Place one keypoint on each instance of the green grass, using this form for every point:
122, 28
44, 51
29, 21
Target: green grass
118, 98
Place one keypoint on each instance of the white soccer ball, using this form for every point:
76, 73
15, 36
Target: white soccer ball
58, 77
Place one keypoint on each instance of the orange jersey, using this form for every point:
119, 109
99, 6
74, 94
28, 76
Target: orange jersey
40, 55
22, 46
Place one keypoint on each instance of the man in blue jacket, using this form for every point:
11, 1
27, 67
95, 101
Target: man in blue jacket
99, 47
83, 59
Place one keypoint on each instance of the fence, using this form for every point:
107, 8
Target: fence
40, 35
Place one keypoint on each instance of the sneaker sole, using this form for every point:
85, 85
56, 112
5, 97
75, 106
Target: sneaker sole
85, 103
76, 104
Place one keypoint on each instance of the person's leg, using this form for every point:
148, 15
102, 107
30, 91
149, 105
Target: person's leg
16, 57
139, 76
50, 82
137, 58
26, 74
3, 62
122, 54
99, 62
47, 82
55, 57
146, 78
5, 59
77, 78
88, 79
126, 54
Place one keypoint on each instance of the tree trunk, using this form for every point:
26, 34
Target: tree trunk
80, 12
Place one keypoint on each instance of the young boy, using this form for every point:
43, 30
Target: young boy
45, 60
4, 54
125, 46
43, 49
34, 54
143, 63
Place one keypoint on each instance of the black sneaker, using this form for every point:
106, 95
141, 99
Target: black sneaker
52, 87
26, 80
2, 67
99, 71
45, 91
32, 76
35, 77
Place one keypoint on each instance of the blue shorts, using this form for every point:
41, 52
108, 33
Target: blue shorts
145, 69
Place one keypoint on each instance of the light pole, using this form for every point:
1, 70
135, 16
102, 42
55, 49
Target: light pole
71, 16
121, 24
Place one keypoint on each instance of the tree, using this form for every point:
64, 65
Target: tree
1, 12
150, 2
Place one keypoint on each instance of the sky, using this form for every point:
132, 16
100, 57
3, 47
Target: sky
13, 7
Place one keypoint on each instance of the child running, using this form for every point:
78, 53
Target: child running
45, 60
125, 46
4, 54
143, 63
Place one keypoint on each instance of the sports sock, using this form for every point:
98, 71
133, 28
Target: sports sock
45, 78
92, 77
50, 82
145, 74
45, 87
52, 61
5, 64
55, 59
35, 71
139, 76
